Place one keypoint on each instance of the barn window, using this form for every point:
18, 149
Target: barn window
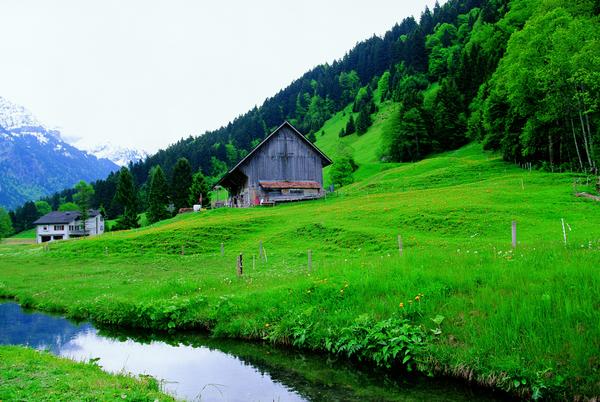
297, 191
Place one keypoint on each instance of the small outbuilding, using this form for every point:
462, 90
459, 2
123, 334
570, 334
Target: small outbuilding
285, 166
59, 225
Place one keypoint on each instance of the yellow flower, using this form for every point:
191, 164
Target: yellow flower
417, 298
267, 325
401, 305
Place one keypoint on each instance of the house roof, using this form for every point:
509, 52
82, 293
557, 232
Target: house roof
62, 217
324, 158
289, 184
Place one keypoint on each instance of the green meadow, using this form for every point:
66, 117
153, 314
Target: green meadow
27, 374
457, 299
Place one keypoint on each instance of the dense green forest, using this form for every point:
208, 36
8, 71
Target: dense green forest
521, 76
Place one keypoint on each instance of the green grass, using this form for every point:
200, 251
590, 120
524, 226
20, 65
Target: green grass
27, 374
26, 234
525, 320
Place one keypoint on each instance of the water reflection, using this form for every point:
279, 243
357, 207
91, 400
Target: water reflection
194, 367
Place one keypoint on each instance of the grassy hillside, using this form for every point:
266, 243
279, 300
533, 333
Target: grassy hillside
523, 319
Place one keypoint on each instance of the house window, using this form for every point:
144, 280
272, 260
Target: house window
71, 228
59, 227
45, 228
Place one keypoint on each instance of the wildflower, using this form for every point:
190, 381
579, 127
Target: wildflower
401, 305
267, 325
417, 298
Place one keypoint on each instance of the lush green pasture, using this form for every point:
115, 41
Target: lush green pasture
27, 375
525, 319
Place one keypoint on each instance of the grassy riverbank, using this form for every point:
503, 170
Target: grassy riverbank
523, 320
27, 374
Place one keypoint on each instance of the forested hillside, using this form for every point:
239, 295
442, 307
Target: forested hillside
521, 76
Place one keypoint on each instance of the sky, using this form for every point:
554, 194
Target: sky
145, 73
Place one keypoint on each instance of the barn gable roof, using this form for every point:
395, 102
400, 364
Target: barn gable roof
324, 158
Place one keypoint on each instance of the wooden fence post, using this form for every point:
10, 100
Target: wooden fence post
562, 220
222, 250
182, 249
253, 262
240, 265
400, 246
260, 250
514, 234
309, 260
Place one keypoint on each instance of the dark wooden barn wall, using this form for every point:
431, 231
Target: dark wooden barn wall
284, 157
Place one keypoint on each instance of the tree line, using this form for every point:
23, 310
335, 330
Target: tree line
119, 197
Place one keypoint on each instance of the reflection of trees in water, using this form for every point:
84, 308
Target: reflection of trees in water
318, 377
314, 377
36, 330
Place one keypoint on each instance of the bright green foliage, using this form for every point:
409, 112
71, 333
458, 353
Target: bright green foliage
349, 84
32, 375
181, 181
383, 86
158, 196
6, 228
200, 188
68, 206
341, 172
411, 140
43, 207
126, 196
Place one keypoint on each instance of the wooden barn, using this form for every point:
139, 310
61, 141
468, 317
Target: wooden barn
285, 166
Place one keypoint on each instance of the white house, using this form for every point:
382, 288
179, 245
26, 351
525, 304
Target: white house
59, 225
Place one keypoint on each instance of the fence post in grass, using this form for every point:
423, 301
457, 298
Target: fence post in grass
182, 250
562, 220
514, 234
309, 260
222, 250
522, 184
400, 246
240, 264
260, 250
253, 262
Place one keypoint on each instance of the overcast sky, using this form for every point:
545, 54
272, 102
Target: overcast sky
146, 73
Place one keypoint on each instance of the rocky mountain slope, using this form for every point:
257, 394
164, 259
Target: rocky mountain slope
35, 161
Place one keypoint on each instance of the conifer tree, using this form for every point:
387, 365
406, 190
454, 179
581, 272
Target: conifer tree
363, 121
126, 197
181, 182
83, 199
199, 188
158, 196
350, 127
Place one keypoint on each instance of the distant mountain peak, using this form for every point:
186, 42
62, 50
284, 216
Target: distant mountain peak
120, 155
35, 161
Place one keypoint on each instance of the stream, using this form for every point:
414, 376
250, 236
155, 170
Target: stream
195, 367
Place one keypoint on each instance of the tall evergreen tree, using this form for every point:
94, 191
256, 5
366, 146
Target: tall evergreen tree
127, 199
350, 127
6, 227
158, 196
200, 188
83, 199
363, 122
181, 182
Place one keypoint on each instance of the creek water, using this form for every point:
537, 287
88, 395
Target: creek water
198, 368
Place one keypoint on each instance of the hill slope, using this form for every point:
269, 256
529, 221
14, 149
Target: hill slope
523, 320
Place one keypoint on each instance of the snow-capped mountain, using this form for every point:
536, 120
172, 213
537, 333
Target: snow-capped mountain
120, 155
35, 161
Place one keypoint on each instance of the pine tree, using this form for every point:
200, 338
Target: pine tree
181, 182
350, 126
83, 199
126, 198
199, 188
363, 122
158, 196
6, 227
